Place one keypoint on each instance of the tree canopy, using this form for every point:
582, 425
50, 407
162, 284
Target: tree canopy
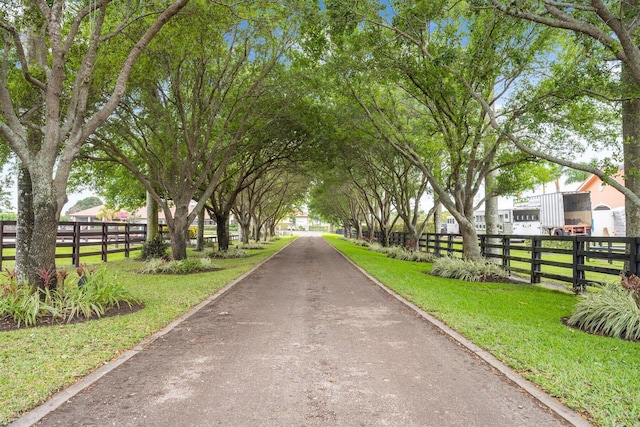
390, 109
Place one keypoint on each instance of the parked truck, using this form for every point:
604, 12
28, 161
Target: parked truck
565, 213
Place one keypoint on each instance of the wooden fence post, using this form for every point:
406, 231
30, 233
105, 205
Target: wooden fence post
127, 240
75, 251
506, 253
105, 229
634, 262
1, 242
578, 259
536, 256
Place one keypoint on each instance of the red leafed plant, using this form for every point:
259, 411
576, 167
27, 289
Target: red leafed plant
47, 275
632, 284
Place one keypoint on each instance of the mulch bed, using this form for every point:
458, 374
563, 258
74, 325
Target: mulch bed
10, 325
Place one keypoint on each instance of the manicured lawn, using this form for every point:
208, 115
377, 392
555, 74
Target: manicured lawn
521, 325
37, 362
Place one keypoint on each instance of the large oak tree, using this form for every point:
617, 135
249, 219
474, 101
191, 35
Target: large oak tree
201, 100
51, 51
603, 36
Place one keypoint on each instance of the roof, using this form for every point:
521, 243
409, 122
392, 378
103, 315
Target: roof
592, 179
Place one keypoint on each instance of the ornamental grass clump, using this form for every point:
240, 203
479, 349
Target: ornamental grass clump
614, 312
377, 247
358, 242
469, 271
251, 245
401, 253
232, 253
185, 266
98, 291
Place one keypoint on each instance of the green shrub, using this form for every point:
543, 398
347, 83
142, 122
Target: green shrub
185, 266
232, 253
154, 248
612, 312
470, 271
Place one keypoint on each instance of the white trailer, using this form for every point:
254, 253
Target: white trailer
565, 213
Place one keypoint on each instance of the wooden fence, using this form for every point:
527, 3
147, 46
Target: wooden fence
577, 260
163, 230
96, 238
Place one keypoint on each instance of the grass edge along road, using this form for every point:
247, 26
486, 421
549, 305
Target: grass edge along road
37, 362
521, 325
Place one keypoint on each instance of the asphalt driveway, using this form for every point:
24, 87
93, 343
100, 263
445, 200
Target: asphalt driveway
304, 340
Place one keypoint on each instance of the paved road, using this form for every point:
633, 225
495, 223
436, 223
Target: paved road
306, 340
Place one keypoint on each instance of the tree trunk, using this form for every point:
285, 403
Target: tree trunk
42, 250
414, 234
200, 236
370, 226
152, 217
470, 245
245, 233
384, 236
24, 223
358, 230
244, 221
179, 230
491, 215
272, 228
254, 230
179, 243
222, 230
437, 217
631, 150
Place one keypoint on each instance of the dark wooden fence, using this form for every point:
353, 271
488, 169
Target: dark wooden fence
163, 230
578, 260
109, 237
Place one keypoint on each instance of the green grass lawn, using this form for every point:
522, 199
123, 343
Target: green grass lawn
37, 362
521, 325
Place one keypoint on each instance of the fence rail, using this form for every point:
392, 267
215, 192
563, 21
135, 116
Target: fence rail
163, 231
576, 260
110, 237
